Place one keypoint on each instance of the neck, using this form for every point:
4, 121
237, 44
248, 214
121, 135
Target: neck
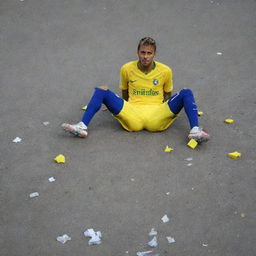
146, 69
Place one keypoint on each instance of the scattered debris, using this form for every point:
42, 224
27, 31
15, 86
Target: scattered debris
153, 242
234, 155
132, 179
170, 239
84, 107
192, 143
46, 123
205, 245
168, 149
143, 253
167, 193
52, 179
229, 121
34, 194
219, 53
95, 236
242, 214
189, 164
60, 159
63, 239
189, 159
200, 113
17, 139
153, 232
165, 219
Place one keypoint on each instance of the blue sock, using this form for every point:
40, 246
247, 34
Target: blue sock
110, 99
185, 98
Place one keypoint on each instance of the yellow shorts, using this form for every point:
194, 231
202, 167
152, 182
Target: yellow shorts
149, 117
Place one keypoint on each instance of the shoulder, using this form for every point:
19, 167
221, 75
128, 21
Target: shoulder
130, 65
162, 67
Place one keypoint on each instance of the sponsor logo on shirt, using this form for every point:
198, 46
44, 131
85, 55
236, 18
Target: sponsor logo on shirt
145, 92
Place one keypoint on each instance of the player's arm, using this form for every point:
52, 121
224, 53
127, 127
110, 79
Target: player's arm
125, 94
167, 95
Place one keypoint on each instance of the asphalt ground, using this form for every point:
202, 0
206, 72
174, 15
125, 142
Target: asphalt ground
53, 54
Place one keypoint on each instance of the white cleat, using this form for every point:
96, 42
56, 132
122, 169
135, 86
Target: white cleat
79, 129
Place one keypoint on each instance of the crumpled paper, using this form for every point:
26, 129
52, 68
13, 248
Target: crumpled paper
143, 253
95, 236
168, 149
229, 121
63, 239
60, 159
153, 242
234, 155
192, 143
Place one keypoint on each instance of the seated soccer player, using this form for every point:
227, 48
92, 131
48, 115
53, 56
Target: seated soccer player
146, 101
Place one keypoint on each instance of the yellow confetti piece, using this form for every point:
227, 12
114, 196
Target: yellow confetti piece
168, 149
84, 107
192, 143
234, 155
60, 159
200, 113
229, 121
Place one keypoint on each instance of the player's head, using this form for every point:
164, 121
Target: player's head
147, 41
146, 51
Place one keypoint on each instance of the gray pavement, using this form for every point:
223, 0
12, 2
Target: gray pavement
53, 53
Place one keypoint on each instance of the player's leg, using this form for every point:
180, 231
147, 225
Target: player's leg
185, 99
102, 95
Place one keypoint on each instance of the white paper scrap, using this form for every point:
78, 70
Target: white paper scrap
165, 219
205, 245
52, 179
189, 159
46, 123
95, 236
170, 239
153, 242
34, 194
153, 232
189, 164
143, 253
219, 53
17, 139
63, 239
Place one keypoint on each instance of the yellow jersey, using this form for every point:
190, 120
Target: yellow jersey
146, 88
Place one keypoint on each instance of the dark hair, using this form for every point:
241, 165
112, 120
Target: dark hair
147, 41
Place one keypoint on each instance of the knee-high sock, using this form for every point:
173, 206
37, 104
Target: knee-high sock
110, 99
185, 98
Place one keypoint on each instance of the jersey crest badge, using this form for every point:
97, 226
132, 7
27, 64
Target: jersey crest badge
155, 82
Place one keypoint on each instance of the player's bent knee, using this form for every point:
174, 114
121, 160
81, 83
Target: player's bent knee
103, 87
186, 91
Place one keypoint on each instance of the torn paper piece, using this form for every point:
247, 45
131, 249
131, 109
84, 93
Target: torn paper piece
95, 236
34, 194
143, 253
189, 159
200, 113
165, 219
234, 155
168, 149
153, 232
167, 193
205, 245
153, 242
192, 143
46, 123
170, 239
17, 139
219, 53
229, 121
52, 179
84, 107
60, 159
63, 239
189, 164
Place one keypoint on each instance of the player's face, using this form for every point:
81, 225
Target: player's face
146, 54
